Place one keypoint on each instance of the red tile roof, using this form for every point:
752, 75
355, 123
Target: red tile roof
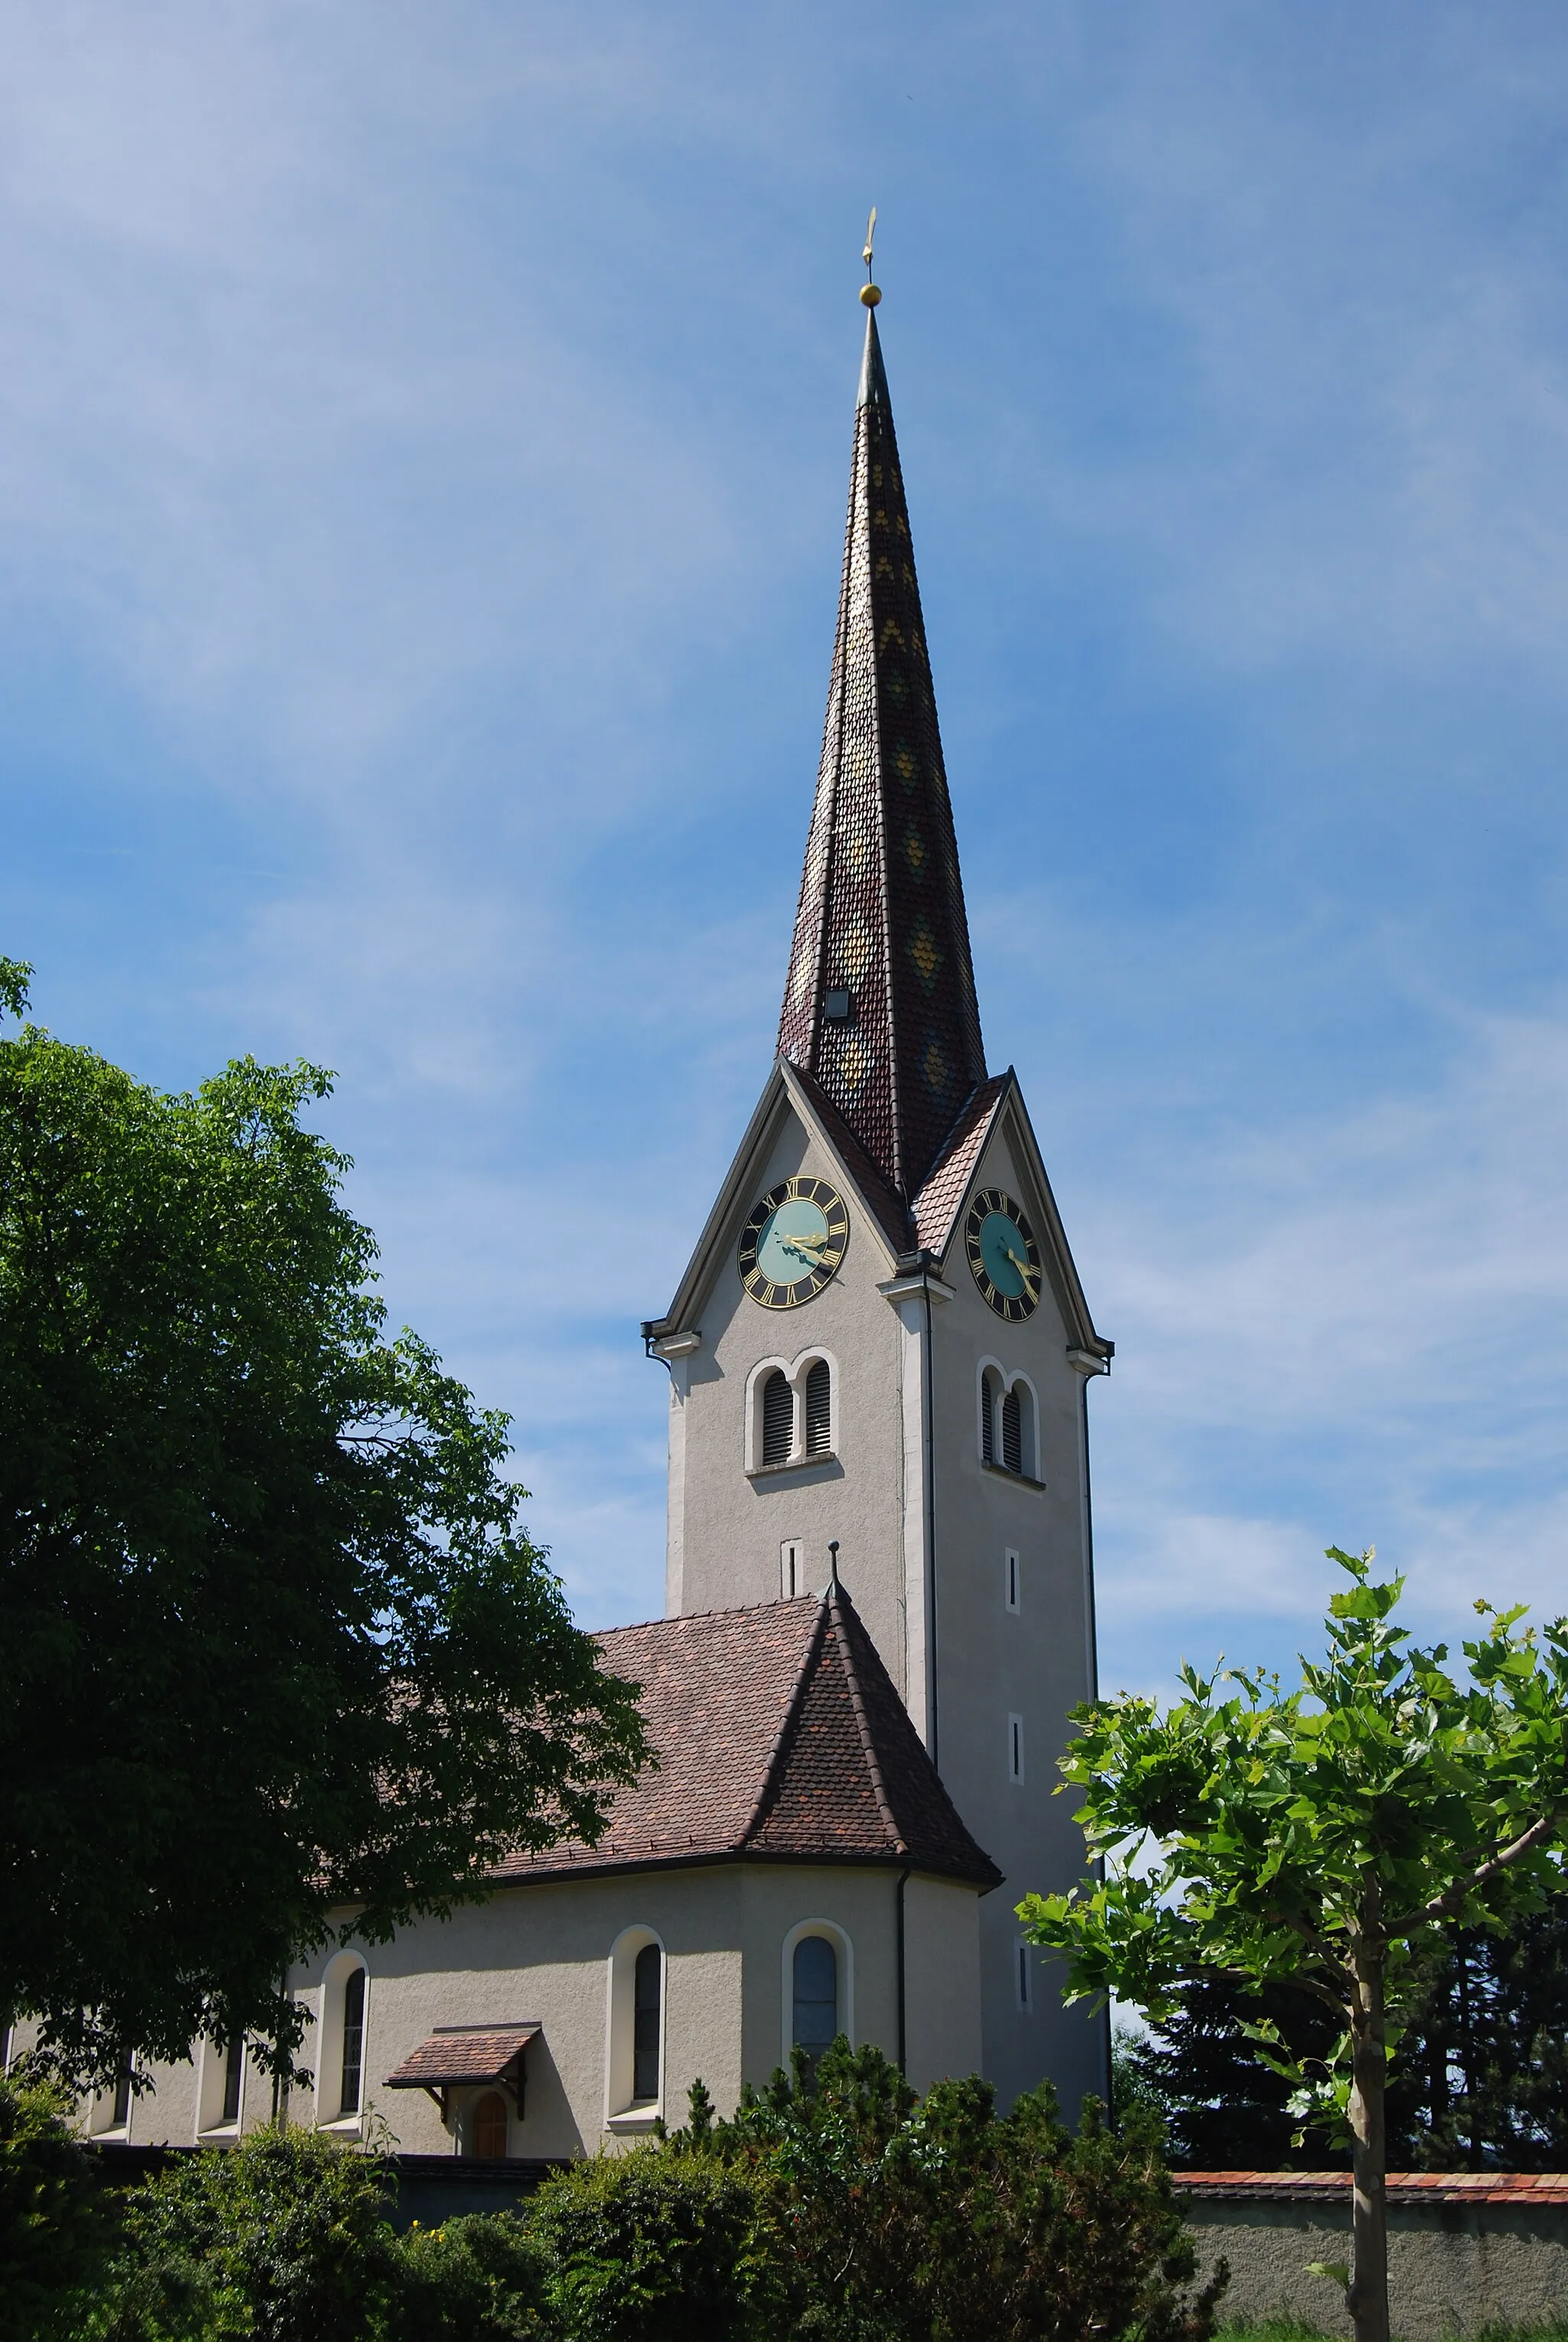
779, 1739
462, 2052
940, 1199
1516, 2187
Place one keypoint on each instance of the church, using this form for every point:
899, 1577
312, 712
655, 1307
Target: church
879, 1591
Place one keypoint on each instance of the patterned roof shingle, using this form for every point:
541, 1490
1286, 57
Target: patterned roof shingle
881, 915
1518, 2188
462, 2052
779, 1738
940, 1199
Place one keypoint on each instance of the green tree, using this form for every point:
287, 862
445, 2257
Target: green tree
276, 1643
1480, 2082
650, 2247
284, 2238
898, 2219
1329, 1834
54, 2223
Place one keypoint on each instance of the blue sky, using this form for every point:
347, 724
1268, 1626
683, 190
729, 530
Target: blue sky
423, 436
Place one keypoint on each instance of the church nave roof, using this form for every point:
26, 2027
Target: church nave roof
780, 1738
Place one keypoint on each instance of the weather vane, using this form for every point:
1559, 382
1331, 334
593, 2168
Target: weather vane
869, 293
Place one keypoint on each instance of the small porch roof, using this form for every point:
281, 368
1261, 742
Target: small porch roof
455, 2054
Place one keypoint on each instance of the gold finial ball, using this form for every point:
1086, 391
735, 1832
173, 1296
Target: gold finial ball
870, 294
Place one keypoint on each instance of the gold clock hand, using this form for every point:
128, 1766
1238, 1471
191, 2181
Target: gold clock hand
806, 1244
1021, 1266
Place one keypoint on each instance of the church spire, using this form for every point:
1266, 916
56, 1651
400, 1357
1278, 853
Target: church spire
879, 1005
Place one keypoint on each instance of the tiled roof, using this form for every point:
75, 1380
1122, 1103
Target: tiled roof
779, 1739
1521, 2189
462, 2052
880, 914
891, 1217
940, 1199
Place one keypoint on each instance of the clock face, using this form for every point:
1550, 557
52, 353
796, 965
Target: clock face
1003, 1254
794, 1242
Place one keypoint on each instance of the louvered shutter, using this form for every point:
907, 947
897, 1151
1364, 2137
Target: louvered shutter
819, 1410
778, 1418
1012, 1432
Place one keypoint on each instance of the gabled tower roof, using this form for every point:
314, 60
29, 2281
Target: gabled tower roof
881, 915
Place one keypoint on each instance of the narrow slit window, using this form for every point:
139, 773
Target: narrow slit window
1016, 1748
646, 1997
815, 1982
1014, 1591
1025, 1978
1012, 1431
234, 2077
819, 1409
352, 2043
792, 1569
778, 1418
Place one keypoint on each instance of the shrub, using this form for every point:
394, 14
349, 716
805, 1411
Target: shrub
284, 2238
654, 2246
55, 2221
936, 2220
478, 2279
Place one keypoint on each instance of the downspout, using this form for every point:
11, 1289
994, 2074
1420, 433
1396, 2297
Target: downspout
930, 1468
903, 2029
1106, 2037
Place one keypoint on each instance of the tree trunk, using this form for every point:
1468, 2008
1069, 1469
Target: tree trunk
1368, 2292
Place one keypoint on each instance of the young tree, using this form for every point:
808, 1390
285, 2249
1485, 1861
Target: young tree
1329, 1836
275, 1642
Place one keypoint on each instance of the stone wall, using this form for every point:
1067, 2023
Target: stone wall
1465, 2250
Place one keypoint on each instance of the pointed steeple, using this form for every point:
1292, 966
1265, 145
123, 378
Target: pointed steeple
879, 1005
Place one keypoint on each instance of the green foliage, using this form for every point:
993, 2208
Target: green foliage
276, 1639
901, 2221
1479, 2082
655, 2246
54, 2227
1285, 1834
479, 2278
1328, 1837
284, 2237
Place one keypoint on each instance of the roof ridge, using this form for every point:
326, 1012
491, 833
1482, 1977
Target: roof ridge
792, 1709
679, 1618
836, 1605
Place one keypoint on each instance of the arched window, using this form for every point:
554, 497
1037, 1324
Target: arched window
648, 1996
351, 2069
634, 2070
234, 2079
1012, 1431
778, 1418
819, 1409
815, 1995
487, 2126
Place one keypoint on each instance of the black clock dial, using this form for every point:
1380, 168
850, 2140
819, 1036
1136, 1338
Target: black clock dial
794, 1242
1003, 1255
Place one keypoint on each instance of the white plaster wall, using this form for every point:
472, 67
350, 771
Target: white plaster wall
729, 1528
942, 1981
541, 1953
991, 1663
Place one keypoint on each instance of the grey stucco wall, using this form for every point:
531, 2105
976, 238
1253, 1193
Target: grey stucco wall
1453, 2268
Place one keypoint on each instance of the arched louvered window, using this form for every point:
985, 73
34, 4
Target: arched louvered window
819, 1409
815, 1995
778, 1418
989, 1389
645, 1998
1012, 1431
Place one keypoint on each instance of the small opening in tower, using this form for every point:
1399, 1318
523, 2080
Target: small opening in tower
836, 1006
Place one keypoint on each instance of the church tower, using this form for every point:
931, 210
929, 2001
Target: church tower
881, 1343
